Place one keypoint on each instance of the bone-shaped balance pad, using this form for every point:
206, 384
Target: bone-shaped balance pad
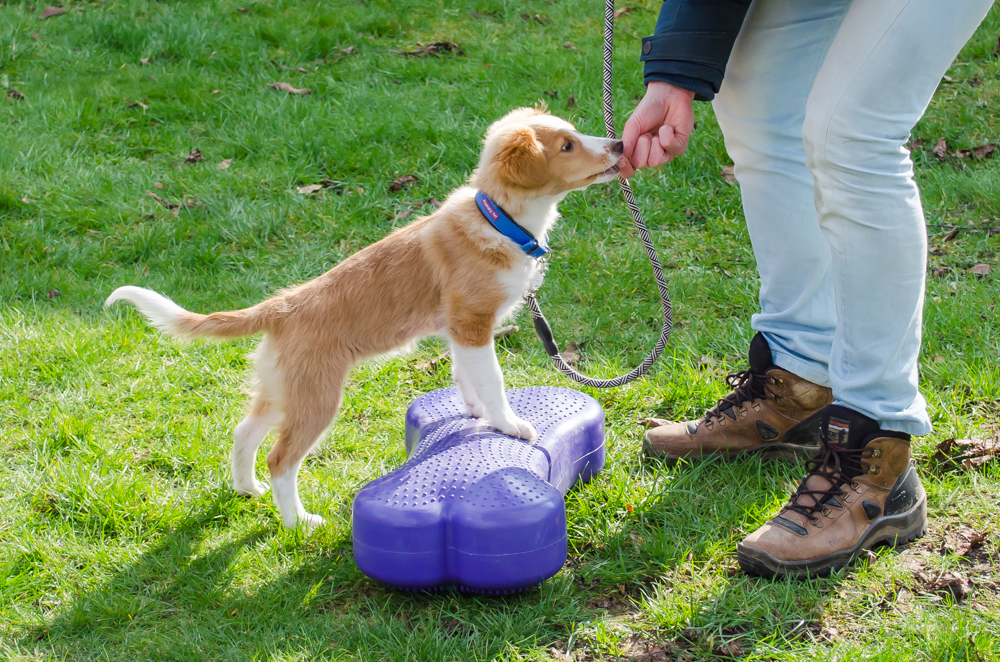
473, 508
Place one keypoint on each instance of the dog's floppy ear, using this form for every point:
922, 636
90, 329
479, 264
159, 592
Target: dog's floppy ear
521, 159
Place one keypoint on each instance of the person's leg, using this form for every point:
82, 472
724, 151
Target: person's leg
863, 489
774, 408
761, 108
875, 84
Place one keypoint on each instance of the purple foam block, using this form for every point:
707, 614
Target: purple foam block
472, 507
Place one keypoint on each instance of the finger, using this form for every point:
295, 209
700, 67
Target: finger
640, 155
656, 154
673, 140
630, 134
625, 168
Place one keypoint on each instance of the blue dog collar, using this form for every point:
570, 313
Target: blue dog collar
507, 227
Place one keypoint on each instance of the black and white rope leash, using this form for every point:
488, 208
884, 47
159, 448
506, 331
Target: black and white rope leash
542, 327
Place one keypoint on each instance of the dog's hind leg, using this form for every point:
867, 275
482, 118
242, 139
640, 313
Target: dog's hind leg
313, 393
265, 413
246, 440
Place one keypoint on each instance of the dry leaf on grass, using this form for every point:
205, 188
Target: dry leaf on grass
963, 541
728, 649
432, 365
950, 583
173, 205
951, 235
651, 422
49, 12
941, 149
399, 183
137, 104
434, 202
984, 151
14, 94
194, 157
538, 18
552, 94
622, 11
309, 189
980, 269
437, 48
222, 165
54, 293
570, 45
285, 87
505, 331
144, 60
570, 102
571, 354
996, 47
283, 67
403, 214
972, 453
706, 362
243, 10
728, 174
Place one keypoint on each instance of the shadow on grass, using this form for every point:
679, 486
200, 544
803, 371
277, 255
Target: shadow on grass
203, 593
214, 587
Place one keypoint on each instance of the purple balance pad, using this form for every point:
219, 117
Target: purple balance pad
474, 508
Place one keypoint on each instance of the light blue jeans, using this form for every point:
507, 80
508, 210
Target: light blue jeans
816, 107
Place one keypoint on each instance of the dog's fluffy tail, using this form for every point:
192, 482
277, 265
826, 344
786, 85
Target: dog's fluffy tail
173, 320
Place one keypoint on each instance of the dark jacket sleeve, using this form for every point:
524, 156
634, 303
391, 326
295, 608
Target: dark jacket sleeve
691, 44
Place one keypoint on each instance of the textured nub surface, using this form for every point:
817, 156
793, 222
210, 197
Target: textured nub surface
472, 506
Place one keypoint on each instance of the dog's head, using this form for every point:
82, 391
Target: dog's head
529, 153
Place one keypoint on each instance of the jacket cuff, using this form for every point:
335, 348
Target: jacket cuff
702, 90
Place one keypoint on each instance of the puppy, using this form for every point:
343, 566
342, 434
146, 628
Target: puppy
451, 274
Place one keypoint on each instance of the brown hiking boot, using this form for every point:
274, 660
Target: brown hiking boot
770, 411
861, 491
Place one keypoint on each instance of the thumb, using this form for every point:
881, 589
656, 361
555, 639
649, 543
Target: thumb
642, 121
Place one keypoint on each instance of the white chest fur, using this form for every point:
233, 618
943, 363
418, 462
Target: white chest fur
526, 275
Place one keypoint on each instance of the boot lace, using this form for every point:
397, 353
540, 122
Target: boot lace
747, 386
838, 465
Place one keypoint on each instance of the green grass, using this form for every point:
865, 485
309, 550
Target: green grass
121, 539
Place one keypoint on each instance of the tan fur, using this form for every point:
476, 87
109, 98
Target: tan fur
438, 275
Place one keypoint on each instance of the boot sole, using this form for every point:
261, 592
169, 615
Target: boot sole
890, 530
800, 443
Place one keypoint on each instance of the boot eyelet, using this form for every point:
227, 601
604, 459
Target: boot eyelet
777, 399
742, 411
856, 487
817, 523
875, 468
828, 512
755, 405
876, 452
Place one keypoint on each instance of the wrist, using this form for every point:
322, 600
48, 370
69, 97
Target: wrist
662, 88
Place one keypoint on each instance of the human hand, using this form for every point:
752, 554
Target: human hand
658, 129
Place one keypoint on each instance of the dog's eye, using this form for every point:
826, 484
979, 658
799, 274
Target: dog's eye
568, 146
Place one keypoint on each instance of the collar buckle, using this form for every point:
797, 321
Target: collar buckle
509, 228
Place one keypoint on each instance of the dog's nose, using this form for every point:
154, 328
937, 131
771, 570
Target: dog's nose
618, 148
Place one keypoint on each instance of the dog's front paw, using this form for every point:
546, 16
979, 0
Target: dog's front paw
474, 409
517, 427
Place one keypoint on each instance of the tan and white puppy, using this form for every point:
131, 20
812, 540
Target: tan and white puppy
450, 274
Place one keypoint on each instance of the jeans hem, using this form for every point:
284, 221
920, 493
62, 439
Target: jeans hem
808, 370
